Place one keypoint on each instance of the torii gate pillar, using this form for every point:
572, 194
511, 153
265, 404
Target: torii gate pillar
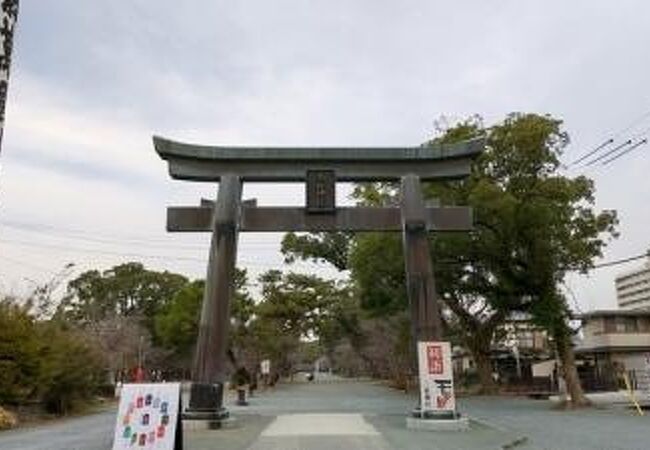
209, 372
425, 314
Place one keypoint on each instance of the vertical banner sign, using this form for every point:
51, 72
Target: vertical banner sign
7, 25
148, 417
265, 367
436, 377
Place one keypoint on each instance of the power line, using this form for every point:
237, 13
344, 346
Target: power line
600, 147
100, 240
622, 261
626, 151
45, 228
633, 124
606, 154
127, 254
28, 265
161, 244
642, 133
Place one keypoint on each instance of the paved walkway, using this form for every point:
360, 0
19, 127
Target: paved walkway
92, 432
368, 416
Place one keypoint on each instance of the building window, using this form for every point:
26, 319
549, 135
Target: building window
610, 324
631, 325
625, 325
644, 324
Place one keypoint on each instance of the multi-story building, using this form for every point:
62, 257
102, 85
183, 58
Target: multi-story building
517, 345
633, 288
614, 341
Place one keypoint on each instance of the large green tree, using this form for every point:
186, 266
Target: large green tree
533, 224
126, 290
545, 220
177, 322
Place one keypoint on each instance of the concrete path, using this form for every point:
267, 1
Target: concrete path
320, 431
344, 415
92, 432
365, 415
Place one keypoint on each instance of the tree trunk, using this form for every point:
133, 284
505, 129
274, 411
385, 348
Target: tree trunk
484, 371
479, 346
569, 371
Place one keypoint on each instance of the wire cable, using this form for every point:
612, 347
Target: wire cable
608, 142
600, 147
606, 154
89, 237
124, 254
626, 151
28, 265
622, 261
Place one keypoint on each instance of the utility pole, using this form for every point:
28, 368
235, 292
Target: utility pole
9, 18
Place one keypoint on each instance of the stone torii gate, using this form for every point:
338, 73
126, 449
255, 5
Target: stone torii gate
320, 168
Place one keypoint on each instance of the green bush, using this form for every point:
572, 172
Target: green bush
72, 370
7, 419
20, 363
45, 361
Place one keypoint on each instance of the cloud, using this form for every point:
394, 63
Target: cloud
92, 81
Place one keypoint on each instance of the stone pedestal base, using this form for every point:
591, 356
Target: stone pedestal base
205, 410
430, 424
204, 425
242, 398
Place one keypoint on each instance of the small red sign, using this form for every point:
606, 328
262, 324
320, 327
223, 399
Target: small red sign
434, 360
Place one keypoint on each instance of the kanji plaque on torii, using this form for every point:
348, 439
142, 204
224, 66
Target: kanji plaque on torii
320, 168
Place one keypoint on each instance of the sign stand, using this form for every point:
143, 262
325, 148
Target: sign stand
148, 417
437, 410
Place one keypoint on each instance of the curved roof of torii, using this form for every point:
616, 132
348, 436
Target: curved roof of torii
208, 163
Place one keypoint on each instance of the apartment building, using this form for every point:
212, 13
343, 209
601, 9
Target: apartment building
633, 288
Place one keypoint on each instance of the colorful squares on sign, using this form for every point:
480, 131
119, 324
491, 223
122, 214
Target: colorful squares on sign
146, 417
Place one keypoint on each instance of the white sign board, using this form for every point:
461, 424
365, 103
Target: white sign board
436, 377
148, 417
265, 367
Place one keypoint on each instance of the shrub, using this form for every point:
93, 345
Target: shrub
20, 363
7, 419
72, 370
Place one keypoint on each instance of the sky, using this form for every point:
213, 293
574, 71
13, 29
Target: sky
92, 81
